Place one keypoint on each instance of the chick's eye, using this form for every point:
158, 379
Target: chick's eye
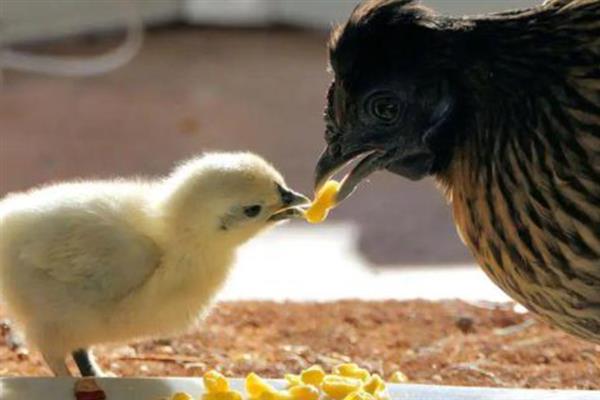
385, 109
252, 211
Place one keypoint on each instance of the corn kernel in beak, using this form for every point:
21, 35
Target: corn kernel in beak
324, 201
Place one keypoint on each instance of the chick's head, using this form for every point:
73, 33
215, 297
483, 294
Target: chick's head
234, 195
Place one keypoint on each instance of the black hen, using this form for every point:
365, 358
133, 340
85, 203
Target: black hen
504, 110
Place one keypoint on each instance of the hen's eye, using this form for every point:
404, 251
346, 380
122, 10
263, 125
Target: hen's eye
385, 109
252, 211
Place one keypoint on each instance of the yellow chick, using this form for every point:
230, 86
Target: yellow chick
110, 261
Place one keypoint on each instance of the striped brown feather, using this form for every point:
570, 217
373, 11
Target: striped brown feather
525, 186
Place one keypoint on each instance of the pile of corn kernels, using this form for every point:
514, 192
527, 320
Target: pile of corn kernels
345, 382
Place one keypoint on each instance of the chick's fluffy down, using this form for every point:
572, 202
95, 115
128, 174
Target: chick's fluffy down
93, 262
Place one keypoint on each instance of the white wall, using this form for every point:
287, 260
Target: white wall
322, 13
46, 19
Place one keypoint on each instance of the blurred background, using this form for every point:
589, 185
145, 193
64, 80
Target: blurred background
104, 88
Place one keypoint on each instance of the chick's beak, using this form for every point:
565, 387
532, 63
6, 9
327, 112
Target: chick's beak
290, 205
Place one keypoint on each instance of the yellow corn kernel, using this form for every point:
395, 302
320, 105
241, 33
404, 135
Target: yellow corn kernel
181, 396
324, 200
313, 375
304, 392
229, 395
398, 377
345, 368
359, 395
292, 380
384, 395
374, 384
214, 382
338, 387
275, 395
256, 386
352, 371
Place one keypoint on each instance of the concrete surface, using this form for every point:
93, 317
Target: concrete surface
143, 389
298, 263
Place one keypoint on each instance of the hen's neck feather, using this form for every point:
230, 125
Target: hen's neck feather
532, 78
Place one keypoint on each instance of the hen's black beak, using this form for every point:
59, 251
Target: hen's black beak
290, 205
329, 164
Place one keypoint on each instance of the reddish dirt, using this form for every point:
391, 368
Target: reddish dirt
431, 342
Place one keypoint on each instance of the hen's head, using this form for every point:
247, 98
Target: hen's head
235, 195
394, 98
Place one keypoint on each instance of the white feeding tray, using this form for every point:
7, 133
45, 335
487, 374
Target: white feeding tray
155, 388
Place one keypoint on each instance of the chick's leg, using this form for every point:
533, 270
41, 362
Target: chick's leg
86, 363
57, 364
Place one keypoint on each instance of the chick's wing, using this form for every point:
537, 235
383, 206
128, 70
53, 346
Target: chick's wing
99, 258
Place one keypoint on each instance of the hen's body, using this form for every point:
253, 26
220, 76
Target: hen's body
505, 111
525, 188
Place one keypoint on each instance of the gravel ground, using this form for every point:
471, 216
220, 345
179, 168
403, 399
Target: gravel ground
448, 342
